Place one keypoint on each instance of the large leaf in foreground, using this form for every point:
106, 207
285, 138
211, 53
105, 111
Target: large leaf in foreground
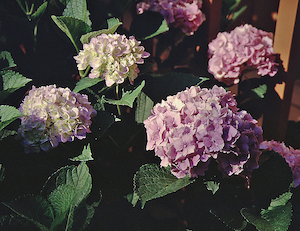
8, 114
260, 223
152, 181
34, 209
279, 213
277, 217
72, 184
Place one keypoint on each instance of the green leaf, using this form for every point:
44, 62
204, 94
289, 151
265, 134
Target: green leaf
144, 107
2, 169
212, 186
260, 223
279, 213
5, 55
228, 218
261, 90
151, 182
12, 81
281, 200
84, 213
113, 25
34, 209
8, 114
73, 184
61, 200
280, 217
163, 28
72, 27
85, 83
86, 154
236, 3
5, 133
40, 11
78, 9
132, 198
128, 97
238, 13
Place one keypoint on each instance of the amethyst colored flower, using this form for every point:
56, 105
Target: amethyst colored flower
195, 125
291, 156
112, 57
184, 14
246, 45
52, 115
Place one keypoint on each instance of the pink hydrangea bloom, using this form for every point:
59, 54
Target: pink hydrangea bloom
184, 14
52, 115
195, 125
244, 46
291, 156
112, 57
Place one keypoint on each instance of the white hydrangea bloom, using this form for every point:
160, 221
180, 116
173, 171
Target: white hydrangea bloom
112, 57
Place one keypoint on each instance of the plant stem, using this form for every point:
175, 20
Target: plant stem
117, 93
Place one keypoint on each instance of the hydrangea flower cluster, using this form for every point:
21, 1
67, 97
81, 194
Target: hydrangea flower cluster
291, 156
246, 45
112, 57
195, 125
52, 115
184, 14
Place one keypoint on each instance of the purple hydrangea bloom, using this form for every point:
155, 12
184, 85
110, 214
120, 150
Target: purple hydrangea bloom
195, 125
246, 45
184, 14
52, 115
112, 57
291, 156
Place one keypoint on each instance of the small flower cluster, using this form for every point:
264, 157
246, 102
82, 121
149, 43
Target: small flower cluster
52, 115
196, 124
291, 156
245, 45
112, 57
184, 14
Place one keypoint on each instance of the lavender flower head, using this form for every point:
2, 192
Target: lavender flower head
112, 57
195, 125
246, 45
184, 14
291, 156
52, 115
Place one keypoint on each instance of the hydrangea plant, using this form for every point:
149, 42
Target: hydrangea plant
112, 57
52, 115
246, 45
195, 125
183, 14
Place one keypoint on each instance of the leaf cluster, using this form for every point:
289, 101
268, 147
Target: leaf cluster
61, 204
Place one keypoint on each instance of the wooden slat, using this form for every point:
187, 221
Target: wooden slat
212, 9
286, 43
